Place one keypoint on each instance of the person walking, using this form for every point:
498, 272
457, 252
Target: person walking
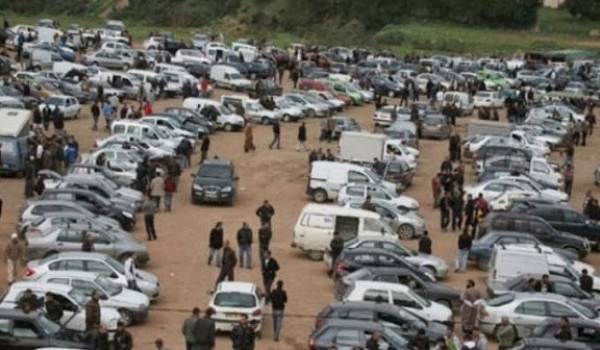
270, 266
425, 243
464, 246
278, 300
215, 244
157, 190
170, 188
456, 205
249, 139
264, 240
436, 189
92, 312
335, 249
122, 339
469, 310
95, 109
506, 334
15, 255
204, 147
187, 329
454, 146
469, 215
227, 264
276, 143
568, 175
445, 206
204, 332
586, 282
107, 113
244, 240
46, 116
301, 137
265, 212
242, 335
149, 213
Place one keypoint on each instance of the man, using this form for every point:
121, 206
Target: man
130, 272
149, 212
564, 330
445, 206
301, 137
204, 147
204, 332
54, 310
568, 175
46, 116
170, 187
244, 240
270, 267
92, 312
469, 214
95, 109
15, 255
454, 146
335, 249
242, 335
425, 244
436, 189
28, 301
373, 342
157, 190
469, 310
420, 341
122, 339
265, 212
227, 264
187, 329
88, 242
276, 135
456, 205
278, 301
265, 234
100, 339
215, 244
586, 282
464, 246
546, 285
506, 334
368, 205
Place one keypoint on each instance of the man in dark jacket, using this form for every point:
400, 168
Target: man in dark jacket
469, 214
264, 240
270, 267
425, 244
454, 147
373, 342
215, 244
242, 335
204, 148
122, 339
58, 119
457, 204
204, 332
265, 212
244, 240
54, 310
301, 137
278, 301
227, 264
92, 312
46, 117
335, 249
586, 282
276, 143
445, 206
95, 109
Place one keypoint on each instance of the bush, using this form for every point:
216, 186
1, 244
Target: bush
584, 8
390, 35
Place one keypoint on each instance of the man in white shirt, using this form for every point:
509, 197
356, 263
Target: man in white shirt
130, 272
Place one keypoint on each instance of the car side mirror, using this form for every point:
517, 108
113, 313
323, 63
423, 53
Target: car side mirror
114, 275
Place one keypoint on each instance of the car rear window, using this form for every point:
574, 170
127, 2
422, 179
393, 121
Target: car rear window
235, 299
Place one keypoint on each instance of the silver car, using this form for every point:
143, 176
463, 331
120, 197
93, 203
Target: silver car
69, 239
435, 126
408, 224
101, 264
107, 59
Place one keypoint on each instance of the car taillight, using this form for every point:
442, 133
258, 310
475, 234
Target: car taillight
311, 343
28, 272
257, 313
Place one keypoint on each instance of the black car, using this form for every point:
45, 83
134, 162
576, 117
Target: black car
499, 148
418, 282
408, 323
215, 181
351, 260
348, 334
583, 331
191, 116
537, 227
562, 218
549, 344
30, 331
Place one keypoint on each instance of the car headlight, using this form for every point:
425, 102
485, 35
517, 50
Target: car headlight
226, 189
128, 215
197, 187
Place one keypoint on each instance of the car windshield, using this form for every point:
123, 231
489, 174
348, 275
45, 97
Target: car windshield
434, 120
54, 101
501, 300
108, 286
219, 172
418, 298
48, 326
587, 312
115, 265
235, 299
235, 76
372, 175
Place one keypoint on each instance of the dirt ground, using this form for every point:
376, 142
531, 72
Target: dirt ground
180, 254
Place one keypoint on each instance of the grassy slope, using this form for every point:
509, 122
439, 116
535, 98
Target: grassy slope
555, 29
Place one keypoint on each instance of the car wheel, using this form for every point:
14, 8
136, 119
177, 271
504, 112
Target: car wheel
320, 196
286, 118
126, 316
406, 231
264, 120
125, 67
228, 127
314, 255
312, 113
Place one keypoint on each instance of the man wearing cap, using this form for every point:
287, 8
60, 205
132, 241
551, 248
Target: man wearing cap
14, 254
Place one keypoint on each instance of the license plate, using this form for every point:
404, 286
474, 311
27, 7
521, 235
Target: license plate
211, 194
233, 315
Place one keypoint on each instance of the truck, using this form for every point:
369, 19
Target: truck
364, 147
488, 127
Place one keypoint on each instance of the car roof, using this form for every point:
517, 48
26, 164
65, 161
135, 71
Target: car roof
552, 277
46, 201
361, 324
81, 255
17, 313
337, 210
246, 287
69, 274
387, 238
381, 285
221, 162
540, 296
41, 285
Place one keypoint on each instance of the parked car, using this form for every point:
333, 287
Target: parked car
435, 126
407, 224
351, 260
360, 191
495, 187
583, 332
230, 300
215, 181
482, 248
341, 334
107, 59
67, 105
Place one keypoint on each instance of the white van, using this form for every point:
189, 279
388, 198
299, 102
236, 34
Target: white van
314, 229
327, 178
508, 262
120, 81
253, 110
248, 52
463, 99
143, 131
225, 119
228, 77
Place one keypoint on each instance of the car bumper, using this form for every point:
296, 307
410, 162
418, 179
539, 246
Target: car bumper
227, 325
218, 197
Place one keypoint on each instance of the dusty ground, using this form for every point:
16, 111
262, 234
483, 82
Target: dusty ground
179, 256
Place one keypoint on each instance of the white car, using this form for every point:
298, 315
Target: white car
494, 188
314, 108
153, 43
488, 99
117, 141
528, 310
233, 299
188, 56
171, 124
102, 264
408, 225
399, 295
68, 105
538, 147
72, 301
132, 305
360, 191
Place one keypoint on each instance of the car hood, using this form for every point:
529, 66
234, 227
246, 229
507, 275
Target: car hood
554, 195
437, 312
131, 297
147, 277
212, 181
406, 202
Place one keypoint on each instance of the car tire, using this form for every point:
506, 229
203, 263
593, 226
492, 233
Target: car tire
228, 127
406, 231
320, 196
126, 316
312, 113
264, 121
125, 67
314, 255
286, 118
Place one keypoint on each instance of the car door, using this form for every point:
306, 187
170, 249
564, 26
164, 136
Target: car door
575, 223
25, 335
69, 240
102, 243
347, 339
528, 315
404, 300
541, 231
